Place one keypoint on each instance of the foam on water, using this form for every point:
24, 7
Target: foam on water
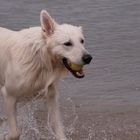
32, 118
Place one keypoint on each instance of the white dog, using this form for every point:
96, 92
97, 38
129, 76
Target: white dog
32, 60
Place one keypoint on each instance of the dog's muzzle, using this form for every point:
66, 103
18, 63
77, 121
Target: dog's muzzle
76, 69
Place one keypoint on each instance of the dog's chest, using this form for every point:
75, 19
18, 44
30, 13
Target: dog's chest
31, 88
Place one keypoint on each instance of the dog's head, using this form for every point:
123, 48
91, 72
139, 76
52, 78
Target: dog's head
67, 43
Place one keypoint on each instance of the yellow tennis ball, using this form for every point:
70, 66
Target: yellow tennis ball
75, 67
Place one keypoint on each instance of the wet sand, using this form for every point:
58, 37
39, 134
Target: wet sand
105, 104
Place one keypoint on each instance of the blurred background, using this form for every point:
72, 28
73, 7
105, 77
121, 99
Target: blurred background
105, 105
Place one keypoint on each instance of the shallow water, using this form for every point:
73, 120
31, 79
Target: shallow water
105, 104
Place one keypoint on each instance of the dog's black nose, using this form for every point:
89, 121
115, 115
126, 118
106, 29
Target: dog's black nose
87, 58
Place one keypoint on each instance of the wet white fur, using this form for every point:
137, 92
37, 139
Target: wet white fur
31, 61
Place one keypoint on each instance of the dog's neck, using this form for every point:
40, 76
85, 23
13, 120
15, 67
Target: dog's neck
42, 64
52, 62
38, 61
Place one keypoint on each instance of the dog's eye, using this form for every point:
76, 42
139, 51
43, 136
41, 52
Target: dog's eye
68, 43
82, 41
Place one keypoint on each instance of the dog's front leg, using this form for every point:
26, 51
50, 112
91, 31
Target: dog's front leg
54, 114
10, 108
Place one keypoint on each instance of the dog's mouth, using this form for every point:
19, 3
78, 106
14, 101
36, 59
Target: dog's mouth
75, 69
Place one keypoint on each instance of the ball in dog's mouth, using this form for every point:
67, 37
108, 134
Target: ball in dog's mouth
75, 69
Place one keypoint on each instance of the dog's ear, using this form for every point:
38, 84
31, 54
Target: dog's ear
80, 28
47, 23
